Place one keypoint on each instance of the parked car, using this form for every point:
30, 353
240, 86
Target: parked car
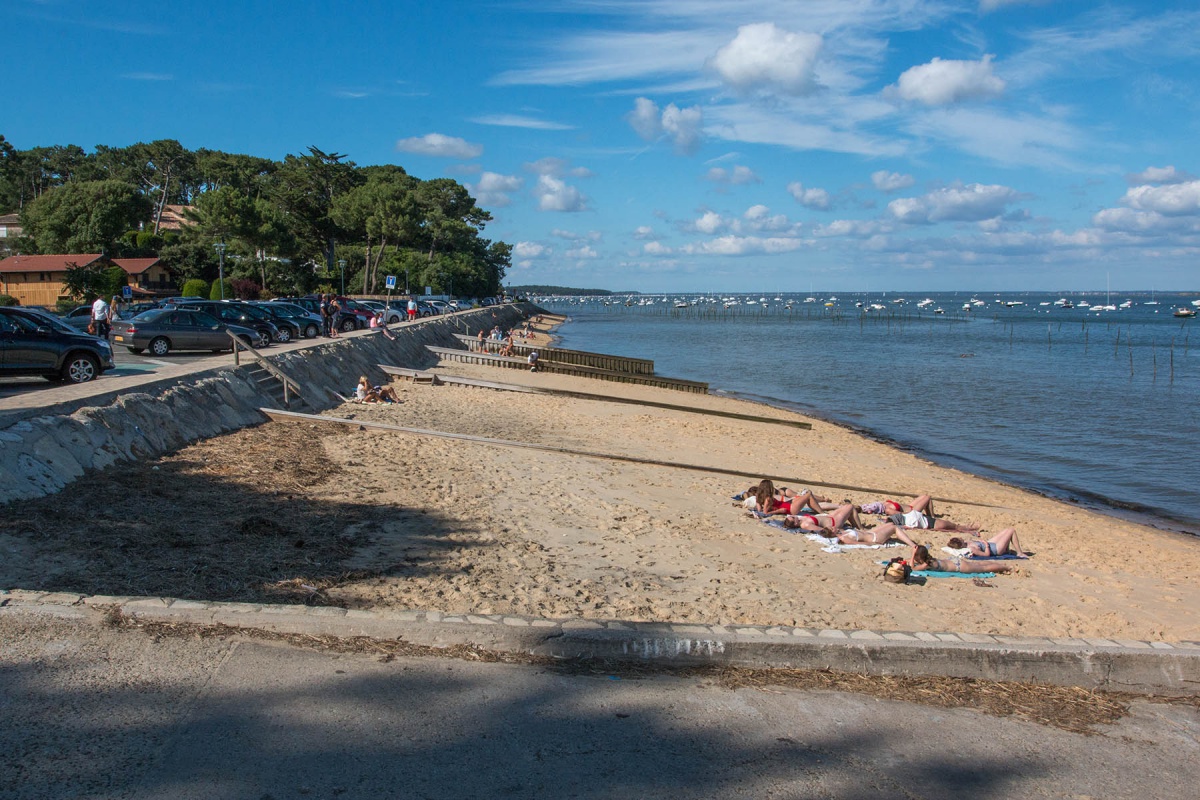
308, 324
35, 343
426, 310
441, 306
79, 317
182, 327
392, 314
459, 305
234, 312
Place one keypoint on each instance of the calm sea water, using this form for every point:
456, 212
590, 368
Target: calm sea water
1098, 407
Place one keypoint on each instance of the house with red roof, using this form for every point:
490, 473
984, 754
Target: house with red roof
38, 280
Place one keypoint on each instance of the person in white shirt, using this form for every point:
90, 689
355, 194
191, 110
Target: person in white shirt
100, 316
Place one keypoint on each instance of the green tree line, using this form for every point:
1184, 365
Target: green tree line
287, 226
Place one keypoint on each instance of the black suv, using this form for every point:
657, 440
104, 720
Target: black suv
33, 343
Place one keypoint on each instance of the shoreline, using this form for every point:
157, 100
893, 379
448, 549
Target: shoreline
1132, 513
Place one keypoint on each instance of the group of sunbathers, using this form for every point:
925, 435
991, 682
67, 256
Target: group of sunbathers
843, 522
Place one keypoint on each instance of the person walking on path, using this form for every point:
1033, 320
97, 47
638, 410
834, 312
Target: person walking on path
100, 317
412, 308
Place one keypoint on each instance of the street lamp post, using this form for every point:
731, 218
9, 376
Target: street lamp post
342, 267
406, 281
220, 246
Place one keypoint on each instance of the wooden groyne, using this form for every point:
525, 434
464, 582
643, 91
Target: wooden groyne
421, 376
558, 368
582, 358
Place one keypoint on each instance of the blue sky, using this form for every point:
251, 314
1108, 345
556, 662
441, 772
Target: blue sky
658, 145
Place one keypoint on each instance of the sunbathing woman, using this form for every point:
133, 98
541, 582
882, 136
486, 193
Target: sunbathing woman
880, 534
1001, 544
921, 560
774, 502
825, 524
920, 515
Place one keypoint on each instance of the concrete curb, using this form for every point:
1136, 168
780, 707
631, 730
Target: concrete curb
1114, 665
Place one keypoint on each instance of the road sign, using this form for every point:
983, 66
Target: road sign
391, 281
127, 291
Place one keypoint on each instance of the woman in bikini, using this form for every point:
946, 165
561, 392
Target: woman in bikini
825, 524
880, 534
772, 502
921, 560
918, 514
1001, 544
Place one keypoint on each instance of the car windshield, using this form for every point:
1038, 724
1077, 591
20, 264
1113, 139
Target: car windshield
251, 311
51, 321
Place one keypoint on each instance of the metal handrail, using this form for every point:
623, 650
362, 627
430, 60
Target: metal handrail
288, 383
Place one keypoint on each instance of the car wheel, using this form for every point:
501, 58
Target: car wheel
347, 326
284, 336
312, 331
80, 369
160, 346
137, 351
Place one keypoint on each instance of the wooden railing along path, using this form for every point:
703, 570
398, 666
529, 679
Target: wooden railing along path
637, 366
556, 368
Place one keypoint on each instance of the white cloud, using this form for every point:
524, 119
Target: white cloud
644, 233
1144, 223
738, 176
148, 76
858, 228
683, 126
1166, 174
572, 236
493, 189
556, 195
940, 83
656, 249
971, 203
817, 199
890, 182
440, 146
744, 245
765, 57
582, 252
1178, 199
529, 250
645, 119
710, 222
518, 121
759, 218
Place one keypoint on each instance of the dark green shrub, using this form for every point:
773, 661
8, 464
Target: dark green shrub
195, 287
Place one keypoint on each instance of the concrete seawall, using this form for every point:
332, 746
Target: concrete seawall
43, 449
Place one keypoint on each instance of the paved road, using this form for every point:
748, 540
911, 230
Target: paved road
95, 712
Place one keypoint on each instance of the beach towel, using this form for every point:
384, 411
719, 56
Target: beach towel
831, 545
929, 573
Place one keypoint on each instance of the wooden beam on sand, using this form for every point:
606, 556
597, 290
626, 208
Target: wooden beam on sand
604, 398
294, 416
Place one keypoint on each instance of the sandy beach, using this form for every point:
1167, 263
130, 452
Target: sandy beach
364, 518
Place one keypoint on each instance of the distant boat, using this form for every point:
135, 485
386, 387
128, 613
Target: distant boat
1185, 312
681, 304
